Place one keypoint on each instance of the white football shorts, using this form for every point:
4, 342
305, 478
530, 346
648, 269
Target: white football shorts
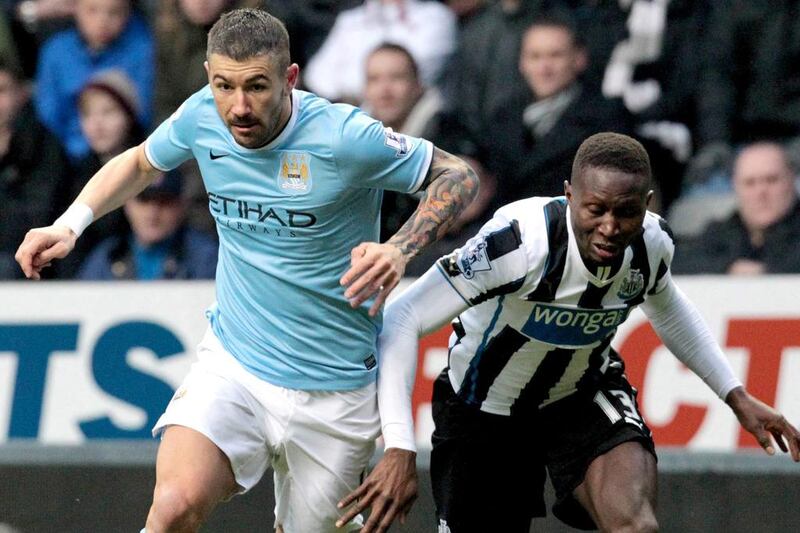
317, 442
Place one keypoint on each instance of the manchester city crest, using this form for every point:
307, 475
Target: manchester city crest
632, 284
295, 173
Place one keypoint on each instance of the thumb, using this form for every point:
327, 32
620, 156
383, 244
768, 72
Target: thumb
56, 251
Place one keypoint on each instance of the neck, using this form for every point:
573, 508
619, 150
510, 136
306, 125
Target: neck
756, 237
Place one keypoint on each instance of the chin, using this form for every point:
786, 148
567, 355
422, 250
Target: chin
249, 142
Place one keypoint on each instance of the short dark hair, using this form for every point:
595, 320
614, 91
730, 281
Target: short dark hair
613, 151
244, 33
558, 18
400, 49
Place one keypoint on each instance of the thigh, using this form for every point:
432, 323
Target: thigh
214, 403
328, 444
620, 488
585, 427
189, 463
486, 476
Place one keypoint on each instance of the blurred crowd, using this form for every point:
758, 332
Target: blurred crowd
710, 88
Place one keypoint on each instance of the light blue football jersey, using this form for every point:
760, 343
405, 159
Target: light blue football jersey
288, 214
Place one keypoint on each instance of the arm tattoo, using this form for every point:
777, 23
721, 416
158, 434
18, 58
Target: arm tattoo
449, 188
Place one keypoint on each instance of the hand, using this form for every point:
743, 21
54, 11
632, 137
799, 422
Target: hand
374, 269
41, 246
390, 490
762, 420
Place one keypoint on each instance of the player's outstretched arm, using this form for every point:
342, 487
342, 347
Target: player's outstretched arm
120, 179
376, 269
685, 334
762, 421
391, 488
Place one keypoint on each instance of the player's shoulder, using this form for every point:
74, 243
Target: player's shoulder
538, 221
535, 215
657, 230
335, 115
195, 106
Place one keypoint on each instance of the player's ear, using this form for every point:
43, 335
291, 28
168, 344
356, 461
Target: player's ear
649, 199
292, 76
567, 190
208, 72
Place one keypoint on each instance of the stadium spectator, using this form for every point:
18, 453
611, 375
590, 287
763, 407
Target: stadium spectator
483, 75
159, 246
534, 136
107, 35
532, 381
294, 184
426, 28
33, 168
763, 234
108, 106
748, 85
395, 95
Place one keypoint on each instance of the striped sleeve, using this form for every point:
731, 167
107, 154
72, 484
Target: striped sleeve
492, 263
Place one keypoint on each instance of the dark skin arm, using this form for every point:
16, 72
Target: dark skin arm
762, 421
449, 187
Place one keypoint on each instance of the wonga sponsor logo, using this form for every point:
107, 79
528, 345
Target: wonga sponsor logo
568, 326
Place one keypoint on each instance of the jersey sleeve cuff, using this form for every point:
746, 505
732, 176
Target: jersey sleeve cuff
725, 389
397, 435
151, 159
426, 166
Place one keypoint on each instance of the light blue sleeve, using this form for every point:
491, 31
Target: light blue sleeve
371, 156
171, 143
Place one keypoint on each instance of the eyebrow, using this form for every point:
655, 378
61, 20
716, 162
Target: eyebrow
257, 77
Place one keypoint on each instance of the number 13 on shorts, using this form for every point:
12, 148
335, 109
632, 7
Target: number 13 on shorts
625, 407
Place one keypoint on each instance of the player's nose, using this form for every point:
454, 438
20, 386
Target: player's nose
241, 104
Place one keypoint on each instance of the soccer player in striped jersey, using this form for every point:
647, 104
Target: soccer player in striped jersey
286, 373
532, 382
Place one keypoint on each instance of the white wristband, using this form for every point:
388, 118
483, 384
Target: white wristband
77, 217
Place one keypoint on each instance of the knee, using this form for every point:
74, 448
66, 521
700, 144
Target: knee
175, 510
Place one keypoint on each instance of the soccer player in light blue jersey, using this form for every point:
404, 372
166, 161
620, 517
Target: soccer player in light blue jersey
286, 373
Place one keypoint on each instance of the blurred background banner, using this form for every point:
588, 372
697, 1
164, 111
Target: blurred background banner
101, 361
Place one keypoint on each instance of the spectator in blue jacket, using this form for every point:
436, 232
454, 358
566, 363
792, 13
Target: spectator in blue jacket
160, 244
107, 35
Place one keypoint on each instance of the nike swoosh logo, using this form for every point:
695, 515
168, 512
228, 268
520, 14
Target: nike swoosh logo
214, 156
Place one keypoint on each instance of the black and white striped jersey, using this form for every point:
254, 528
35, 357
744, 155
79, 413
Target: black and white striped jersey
540, 324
